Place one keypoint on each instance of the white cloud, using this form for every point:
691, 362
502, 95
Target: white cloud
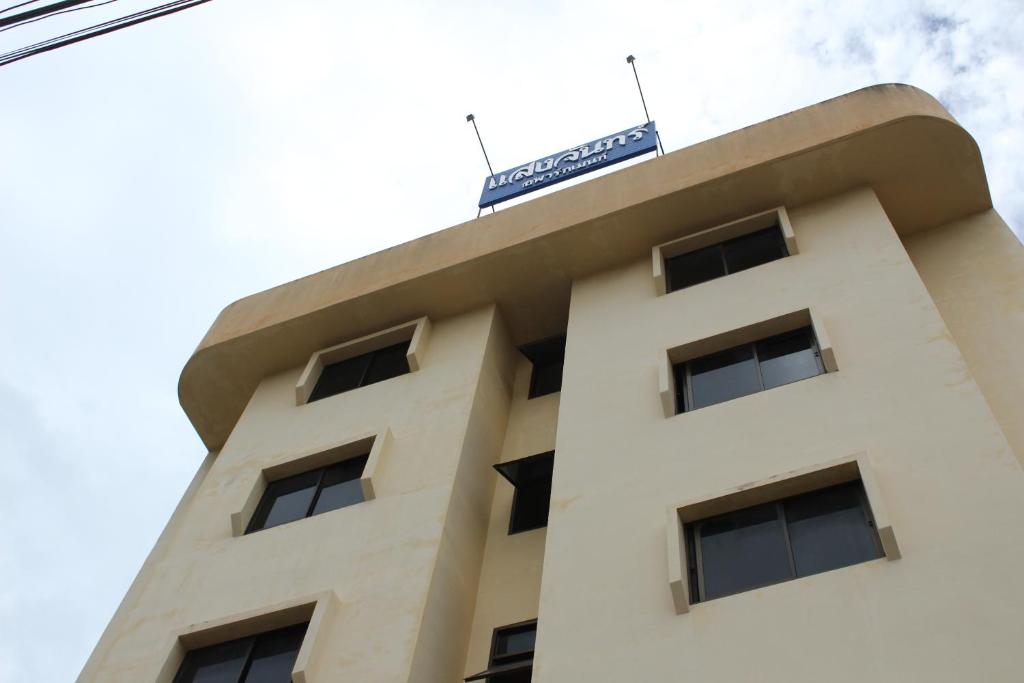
156, 174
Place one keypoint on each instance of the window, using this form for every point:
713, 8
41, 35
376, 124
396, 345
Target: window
547, 357
310, 493
747, 369
358, 371
532, 478
264, 658
731, 256
511, 658
779, 541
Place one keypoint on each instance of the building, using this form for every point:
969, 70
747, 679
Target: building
711, 517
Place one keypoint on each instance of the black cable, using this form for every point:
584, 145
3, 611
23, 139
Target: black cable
65, 11
98, 30
111, 22
20, 4
40, 11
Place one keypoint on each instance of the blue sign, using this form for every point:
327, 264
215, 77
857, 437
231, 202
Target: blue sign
571, 163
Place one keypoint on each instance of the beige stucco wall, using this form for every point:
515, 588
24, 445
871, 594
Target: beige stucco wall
974, 271
947, 611
381, 557
509, 587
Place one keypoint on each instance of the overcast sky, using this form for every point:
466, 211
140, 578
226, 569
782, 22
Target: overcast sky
150, 177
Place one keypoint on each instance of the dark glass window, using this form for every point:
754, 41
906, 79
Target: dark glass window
694, 267
264, 658
369, 368
790, 538
731, 256
511, 658
747, 369
547, 357
532, 478
309, 493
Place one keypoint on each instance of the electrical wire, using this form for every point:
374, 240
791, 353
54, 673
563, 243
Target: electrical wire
40, 11
63, 11
20, 4
98, 30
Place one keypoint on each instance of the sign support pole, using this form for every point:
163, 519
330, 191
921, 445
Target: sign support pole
631, 60
472, 119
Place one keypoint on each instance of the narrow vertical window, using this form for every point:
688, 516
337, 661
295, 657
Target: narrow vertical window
547, 357
532, 478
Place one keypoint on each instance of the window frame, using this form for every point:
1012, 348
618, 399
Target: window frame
378, 443
536, 350
857, 466
686, 394
416, 332
515, 496
316, 610
696, 564
720, 250
251, 644
719, 234
508, 663
263, 502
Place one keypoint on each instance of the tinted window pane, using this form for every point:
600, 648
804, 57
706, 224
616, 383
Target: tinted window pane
341, 485
521, 676
387, 363
743, 550
787, 358
546, 379
516, 641
216, 664
548, 357
754, 249
532, 479
829, 529
274, 656
530, 509
285, 500
341, 376
723, 376
694, 267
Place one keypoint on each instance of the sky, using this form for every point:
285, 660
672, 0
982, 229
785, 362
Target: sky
152, 176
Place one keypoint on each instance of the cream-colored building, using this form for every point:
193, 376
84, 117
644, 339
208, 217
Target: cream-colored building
710, 517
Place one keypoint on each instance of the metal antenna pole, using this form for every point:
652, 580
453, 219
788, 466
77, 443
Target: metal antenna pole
472, 119
631, 60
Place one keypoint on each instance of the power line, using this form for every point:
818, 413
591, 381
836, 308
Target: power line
20, 4
98, 30
40, 11
74, 9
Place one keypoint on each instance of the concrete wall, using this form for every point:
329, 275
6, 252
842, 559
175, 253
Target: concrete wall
509, 588
974, 271
924, 332
947, 611
444, 631
380, 557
